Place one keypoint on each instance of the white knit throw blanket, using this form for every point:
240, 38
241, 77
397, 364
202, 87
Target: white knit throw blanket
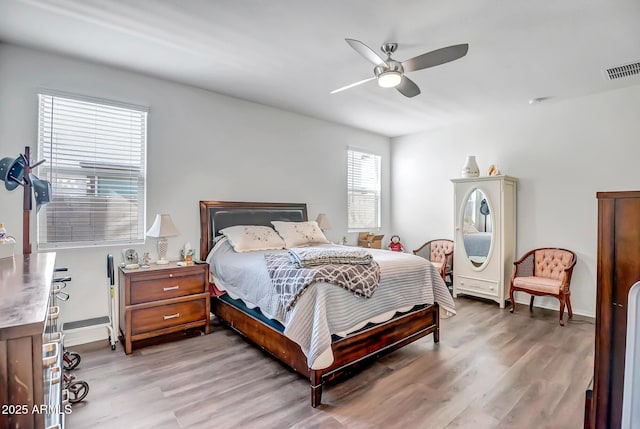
312, 257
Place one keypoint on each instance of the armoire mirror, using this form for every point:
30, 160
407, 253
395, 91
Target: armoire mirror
477, 228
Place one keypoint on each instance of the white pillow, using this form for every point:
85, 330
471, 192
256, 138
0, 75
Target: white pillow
297, 234
246, 238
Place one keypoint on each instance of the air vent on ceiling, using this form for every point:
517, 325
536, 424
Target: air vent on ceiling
625, 70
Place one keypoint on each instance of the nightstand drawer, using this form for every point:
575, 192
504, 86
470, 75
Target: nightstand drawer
165, 286
166, 316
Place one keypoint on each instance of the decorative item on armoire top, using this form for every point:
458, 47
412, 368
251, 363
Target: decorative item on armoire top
493, 171
470, 167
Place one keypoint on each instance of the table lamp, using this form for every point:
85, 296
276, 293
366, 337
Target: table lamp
323, 222
162, 228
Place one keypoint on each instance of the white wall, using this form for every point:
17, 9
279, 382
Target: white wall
201, 146
562, 152
204, 145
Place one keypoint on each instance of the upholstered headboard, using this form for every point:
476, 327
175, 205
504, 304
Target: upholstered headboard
217, 215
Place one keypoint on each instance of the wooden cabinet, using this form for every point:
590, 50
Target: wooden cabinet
30, 374
484, 236
618, 271
161, 300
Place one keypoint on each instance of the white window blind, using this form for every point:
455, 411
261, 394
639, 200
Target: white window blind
95, 155
363, 189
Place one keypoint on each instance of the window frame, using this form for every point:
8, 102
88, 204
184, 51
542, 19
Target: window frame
124, 175
376, 189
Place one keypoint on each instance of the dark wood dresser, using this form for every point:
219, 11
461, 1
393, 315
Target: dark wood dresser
618, 270
163, 299
26, 380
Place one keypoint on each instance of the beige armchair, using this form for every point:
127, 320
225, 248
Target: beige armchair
440, 254
544, 271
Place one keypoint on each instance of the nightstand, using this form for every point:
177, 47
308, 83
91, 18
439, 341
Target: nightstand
161, 300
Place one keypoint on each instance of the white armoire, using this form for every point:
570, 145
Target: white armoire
484, 236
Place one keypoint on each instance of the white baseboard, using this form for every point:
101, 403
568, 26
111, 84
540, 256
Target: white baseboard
551, 306
86, 335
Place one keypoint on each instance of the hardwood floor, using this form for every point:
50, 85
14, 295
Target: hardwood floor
492, 369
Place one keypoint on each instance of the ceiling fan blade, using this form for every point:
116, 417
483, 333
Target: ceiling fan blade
365, 51
407, 87
434, 58
353, 84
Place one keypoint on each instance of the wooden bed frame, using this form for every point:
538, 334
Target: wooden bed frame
375, 341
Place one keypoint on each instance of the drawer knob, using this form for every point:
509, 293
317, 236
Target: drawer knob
176, 287
171, 316
170, 275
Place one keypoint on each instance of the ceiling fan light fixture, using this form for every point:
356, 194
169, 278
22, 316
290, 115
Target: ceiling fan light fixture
389, 79
390, 73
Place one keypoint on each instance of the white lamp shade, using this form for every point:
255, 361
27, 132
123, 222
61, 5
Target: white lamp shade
323, 222
163, 227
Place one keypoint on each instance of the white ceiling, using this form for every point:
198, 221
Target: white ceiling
291, 53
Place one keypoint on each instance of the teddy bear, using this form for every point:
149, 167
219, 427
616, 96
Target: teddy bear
395, 245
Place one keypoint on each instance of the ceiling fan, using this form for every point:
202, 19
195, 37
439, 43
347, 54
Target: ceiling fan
391, 73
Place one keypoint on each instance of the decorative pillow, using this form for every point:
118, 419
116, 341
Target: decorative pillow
246, 238
298, 234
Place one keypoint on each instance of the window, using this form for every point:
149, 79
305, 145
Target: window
363, 189
95, 155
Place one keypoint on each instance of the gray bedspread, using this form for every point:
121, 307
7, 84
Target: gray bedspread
290, 282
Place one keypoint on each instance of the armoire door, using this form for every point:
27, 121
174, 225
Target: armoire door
618, 270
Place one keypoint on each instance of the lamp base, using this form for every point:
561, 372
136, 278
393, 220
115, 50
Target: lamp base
162, 251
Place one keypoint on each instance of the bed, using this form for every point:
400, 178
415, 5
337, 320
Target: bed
477, 245
280, 335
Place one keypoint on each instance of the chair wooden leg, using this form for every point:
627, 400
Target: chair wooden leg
513, 301
531, 303
569, 307
561, 310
